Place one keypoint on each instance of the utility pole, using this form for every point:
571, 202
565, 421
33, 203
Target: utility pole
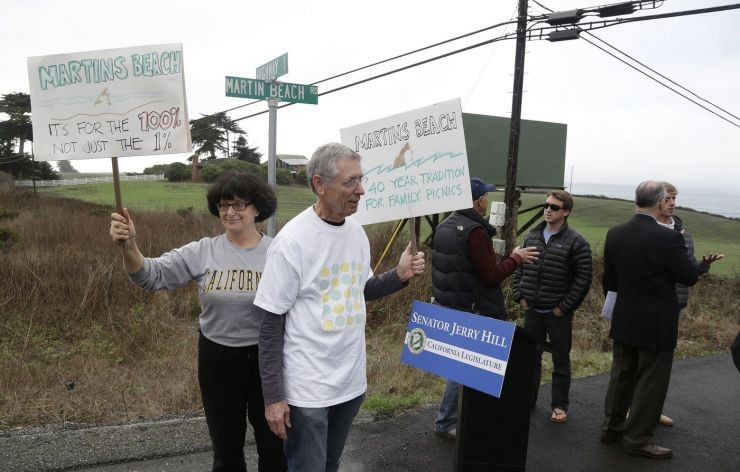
511, 196
272, 103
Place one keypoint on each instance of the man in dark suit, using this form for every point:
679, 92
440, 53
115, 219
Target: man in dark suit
643, 261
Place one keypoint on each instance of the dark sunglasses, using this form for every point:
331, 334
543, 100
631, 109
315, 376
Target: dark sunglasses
552, 206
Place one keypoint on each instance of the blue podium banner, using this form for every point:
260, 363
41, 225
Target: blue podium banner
469, 349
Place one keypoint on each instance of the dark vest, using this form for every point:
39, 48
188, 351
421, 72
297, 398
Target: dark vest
454, 282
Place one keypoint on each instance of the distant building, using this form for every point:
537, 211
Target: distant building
293, 162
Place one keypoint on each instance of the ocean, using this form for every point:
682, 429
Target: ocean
718, 202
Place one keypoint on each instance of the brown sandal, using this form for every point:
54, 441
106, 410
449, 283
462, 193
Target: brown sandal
559, 415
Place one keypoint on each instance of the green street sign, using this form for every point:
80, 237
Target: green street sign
245, 88
260, 90
273, 69
295, 93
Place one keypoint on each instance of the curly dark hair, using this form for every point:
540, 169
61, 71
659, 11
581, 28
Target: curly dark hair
244, 185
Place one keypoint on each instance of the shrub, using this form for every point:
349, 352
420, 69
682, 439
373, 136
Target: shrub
284, 177
178, 172
8, 239
211, 172
301, 178
156, 169
7, 214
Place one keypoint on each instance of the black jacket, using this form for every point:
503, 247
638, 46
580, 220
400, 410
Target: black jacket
454, 282
682, 291
561, 276
643, 261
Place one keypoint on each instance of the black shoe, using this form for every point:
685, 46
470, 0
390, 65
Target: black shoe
609, 437
451, 434
651, 451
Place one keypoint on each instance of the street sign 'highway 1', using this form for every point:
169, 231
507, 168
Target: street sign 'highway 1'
273, 69
283, 91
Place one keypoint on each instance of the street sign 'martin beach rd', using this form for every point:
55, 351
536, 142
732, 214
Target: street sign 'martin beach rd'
260, 90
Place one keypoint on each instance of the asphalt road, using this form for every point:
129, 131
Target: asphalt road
703, 400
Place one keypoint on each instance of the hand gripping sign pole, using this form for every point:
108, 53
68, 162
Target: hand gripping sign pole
117, 185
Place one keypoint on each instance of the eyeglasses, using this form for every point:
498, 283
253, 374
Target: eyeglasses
552, 206
237, 206
353, 183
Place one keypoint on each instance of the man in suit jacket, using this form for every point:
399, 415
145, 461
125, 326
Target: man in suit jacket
643, 261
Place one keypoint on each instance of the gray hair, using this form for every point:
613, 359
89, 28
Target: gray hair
324, 161
670, 188
649, 193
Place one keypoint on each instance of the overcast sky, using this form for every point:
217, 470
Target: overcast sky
622, 127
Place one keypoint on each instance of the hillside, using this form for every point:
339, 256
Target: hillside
592, 216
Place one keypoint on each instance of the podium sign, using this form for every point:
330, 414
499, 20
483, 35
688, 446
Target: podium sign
469, 349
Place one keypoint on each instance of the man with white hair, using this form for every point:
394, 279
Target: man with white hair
314, 287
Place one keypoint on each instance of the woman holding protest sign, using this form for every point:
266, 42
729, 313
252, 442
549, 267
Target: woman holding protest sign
227, 269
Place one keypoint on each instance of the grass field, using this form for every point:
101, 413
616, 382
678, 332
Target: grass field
593, 216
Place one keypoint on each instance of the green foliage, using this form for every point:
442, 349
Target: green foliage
44, 171
185, 212
7, 214
243, 152
210, 172
301, 178
284, 177
156, 169
209, 133
66, 167
16, 130
178, 172
8, 239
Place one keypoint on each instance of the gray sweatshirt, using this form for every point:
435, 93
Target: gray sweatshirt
227, 277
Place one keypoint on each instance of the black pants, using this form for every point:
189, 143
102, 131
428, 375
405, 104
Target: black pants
638, 381
558, 330
231, 390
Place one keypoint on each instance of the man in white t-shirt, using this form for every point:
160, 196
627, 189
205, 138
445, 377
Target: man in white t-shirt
313, 288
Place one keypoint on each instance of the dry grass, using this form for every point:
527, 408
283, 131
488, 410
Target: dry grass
79, 343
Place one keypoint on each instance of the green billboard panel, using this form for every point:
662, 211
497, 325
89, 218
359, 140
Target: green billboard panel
541, 161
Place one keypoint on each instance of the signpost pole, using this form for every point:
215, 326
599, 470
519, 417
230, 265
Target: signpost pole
272, 157
117, 185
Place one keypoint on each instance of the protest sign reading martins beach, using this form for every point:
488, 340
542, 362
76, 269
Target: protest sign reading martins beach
109, 103
415, 163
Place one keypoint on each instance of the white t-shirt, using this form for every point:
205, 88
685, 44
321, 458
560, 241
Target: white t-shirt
316, 273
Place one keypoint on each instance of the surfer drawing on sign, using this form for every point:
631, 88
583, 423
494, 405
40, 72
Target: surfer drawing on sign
400, 160
105, 93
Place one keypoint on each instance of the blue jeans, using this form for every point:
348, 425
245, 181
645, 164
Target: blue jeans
317, 435
447, 416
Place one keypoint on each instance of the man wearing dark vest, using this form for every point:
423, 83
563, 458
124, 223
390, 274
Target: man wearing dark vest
466, 277
643, 261
551, 290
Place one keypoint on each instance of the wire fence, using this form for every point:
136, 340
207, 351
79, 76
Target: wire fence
86, 180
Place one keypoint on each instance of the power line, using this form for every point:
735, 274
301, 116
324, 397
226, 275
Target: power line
663, 76
661, 83
399, 56
384, 74
653, 70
